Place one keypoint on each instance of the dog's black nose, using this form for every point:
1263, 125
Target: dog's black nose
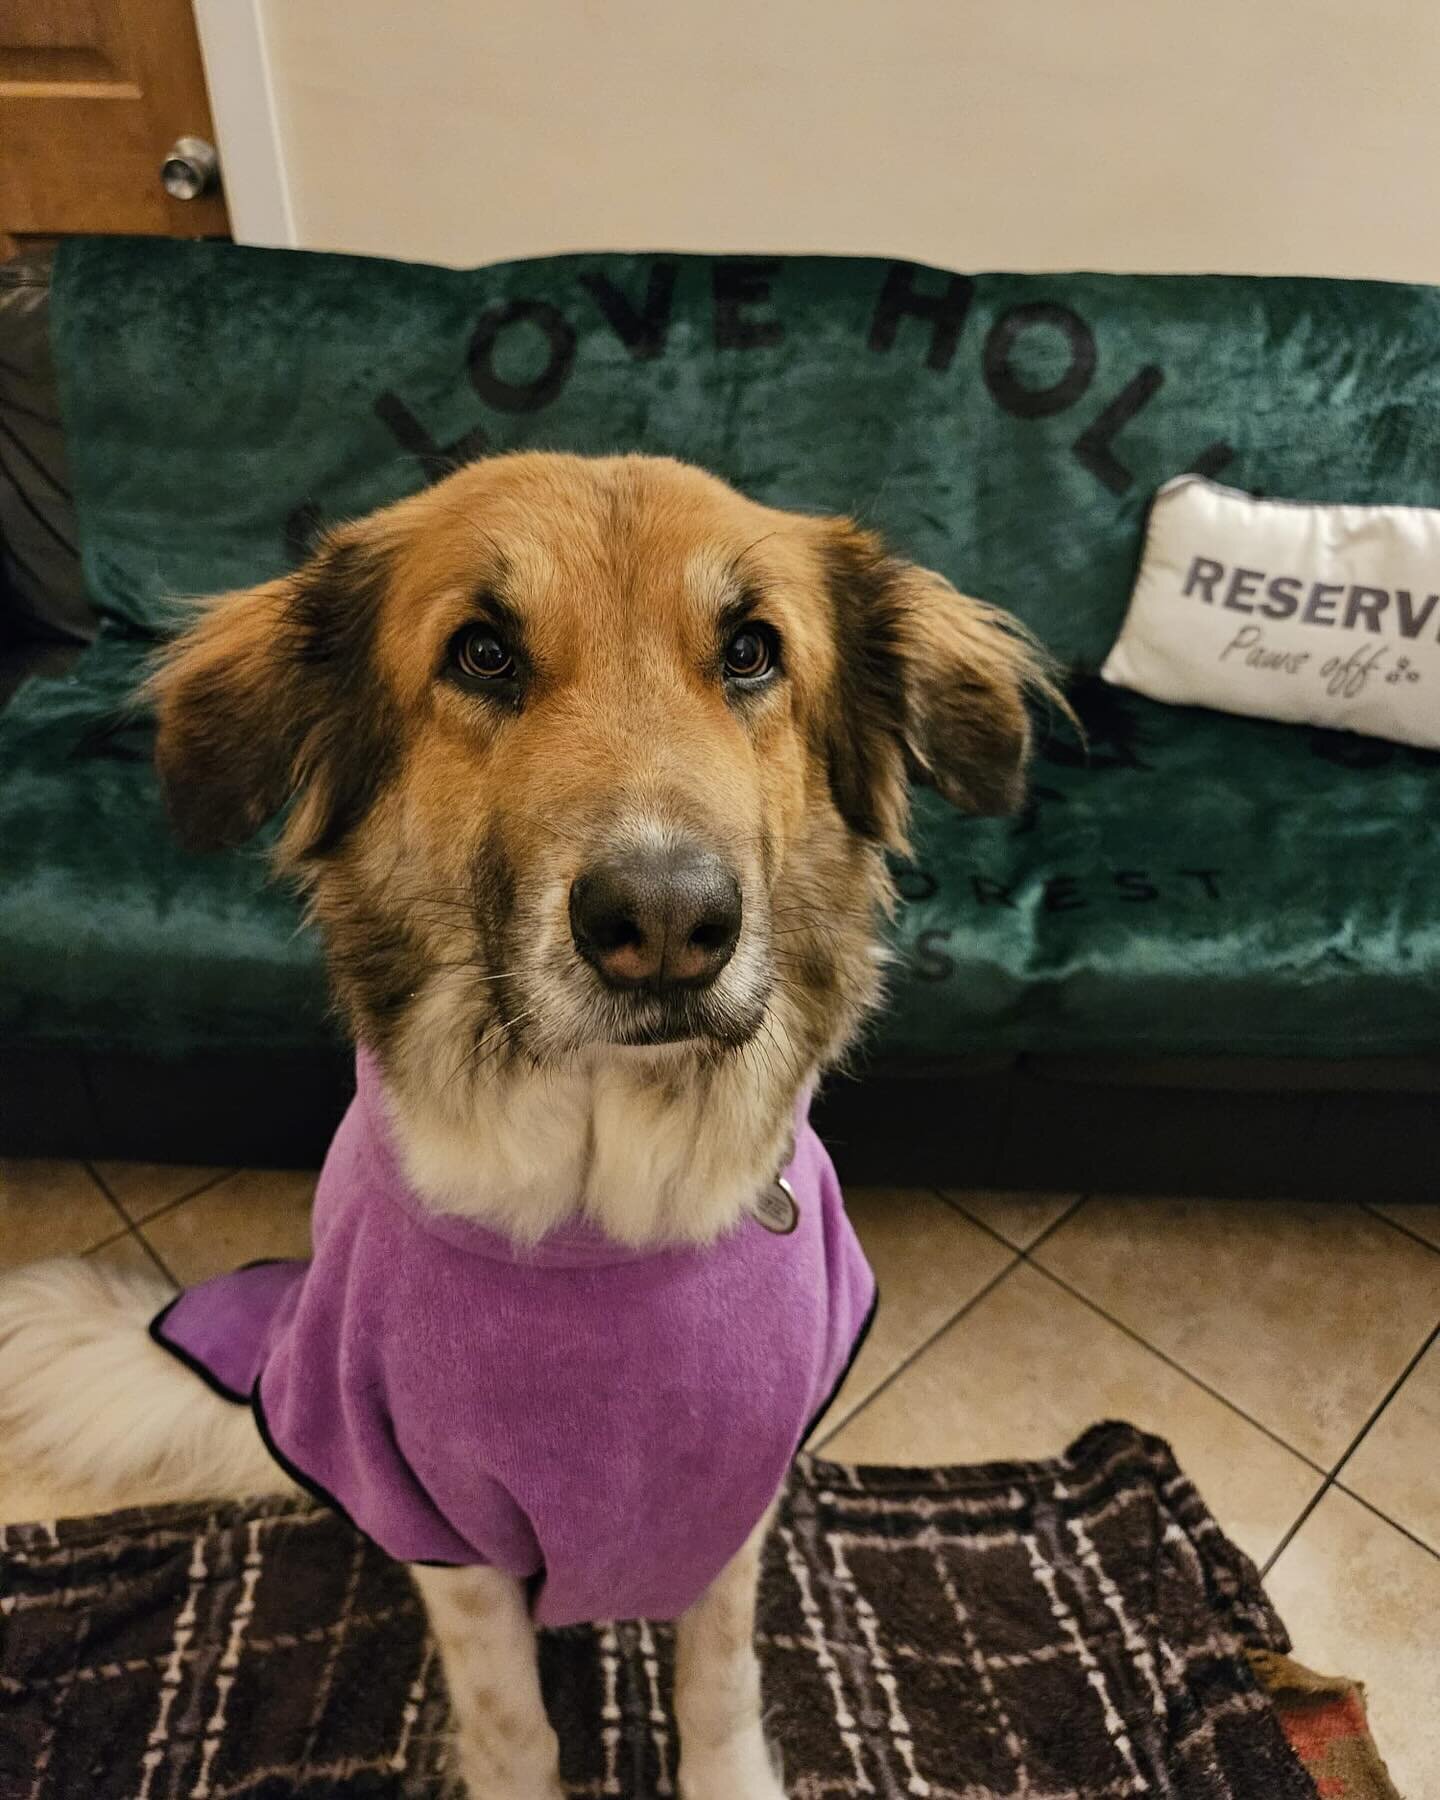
657, 919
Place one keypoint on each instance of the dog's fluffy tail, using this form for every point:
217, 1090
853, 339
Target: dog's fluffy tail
91, 1405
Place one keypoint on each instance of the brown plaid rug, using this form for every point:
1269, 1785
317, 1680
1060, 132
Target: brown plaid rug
1064, 1630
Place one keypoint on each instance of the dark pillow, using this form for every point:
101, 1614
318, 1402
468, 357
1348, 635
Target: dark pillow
42, 591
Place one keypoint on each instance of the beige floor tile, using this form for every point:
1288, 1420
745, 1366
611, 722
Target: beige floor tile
1397, 1466
1030, 1367
928, 1262
1420, 1216
50, 1209
1018, 1218
143, 1188
1361, 1600
250, 1215
128, 1255
1301, 1314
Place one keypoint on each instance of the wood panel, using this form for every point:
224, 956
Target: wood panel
92, 95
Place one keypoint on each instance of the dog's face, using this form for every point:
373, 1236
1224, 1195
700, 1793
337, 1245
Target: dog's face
590, 754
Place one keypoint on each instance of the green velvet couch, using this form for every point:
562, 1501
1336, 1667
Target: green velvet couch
1205, 958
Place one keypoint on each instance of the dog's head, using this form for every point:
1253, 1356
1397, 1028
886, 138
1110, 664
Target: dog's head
591, 753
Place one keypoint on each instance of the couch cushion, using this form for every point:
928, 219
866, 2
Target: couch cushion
111, 936
1196, 884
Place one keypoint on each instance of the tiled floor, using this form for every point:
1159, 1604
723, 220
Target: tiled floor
1288, 1352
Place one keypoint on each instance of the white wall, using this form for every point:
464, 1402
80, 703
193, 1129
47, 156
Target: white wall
1244, 135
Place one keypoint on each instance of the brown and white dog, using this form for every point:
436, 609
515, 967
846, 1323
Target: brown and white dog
593, 766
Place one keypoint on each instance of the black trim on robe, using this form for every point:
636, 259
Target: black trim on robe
850, 1360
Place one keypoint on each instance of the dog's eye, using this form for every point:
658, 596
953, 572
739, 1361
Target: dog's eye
751, 653
478, 654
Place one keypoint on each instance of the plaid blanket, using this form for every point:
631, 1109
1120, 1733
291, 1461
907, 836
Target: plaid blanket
1071, 1629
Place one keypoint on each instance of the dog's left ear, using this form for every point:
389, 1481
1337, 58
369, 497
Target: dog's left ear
929, 686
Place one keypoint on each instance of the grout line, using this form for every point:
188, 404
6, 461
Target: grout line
1394, 1524
103, 1243
1354, 1445
170, 1205
157, 1258
133, 1233
1179, 1368
191, 1193
818, 1444
1055, 1224
113, 1203
1385, 1219
1394, 1389
104, 1187
1068, 1212
1289, 1538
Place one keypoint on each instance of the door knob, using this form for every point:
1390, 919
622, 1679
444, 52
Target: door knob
190, 170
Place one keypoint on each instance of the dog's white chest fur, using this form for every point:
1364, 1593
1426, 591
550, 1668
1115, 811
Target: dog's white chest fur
648, 1159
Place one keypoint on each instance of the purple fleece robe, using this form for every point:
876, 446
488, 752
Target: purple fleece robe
607, 1423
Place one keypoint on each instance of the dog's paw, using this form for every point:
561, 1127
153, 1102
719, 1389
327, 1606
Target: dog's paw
516, 1774
483, 1784
740, 1770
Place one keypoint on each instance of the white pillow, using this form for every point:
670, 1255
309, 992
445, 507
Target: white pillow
1320, 615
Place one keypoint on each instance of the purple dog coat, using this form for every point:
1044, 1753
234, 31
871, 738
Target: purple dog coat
606, 1423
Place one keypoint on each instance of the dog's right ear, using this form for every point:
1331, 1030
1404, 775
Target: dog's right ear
226, 718
272, 692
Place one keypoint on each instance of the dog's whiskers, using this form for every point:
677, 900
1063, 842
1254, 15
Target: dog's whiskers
498, 1031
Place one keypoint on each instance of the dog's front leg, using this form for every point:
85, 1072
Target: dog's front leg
505, 1747
723, 1753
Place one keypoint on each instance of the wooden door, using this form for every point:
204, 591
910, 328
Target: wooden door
93, 93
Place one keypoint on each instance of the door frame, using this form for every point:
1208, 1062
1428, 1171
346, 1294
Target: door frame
238, 73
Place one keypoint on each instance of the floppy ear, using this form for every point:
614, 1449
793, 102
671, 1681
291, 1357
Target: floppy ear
929, 686
272, 692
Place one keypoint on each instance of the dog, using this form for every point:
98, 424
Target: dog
589, 769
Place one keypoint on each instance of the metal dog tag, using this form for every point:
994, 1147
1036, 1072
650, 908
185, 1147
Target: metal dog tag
776, 1208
